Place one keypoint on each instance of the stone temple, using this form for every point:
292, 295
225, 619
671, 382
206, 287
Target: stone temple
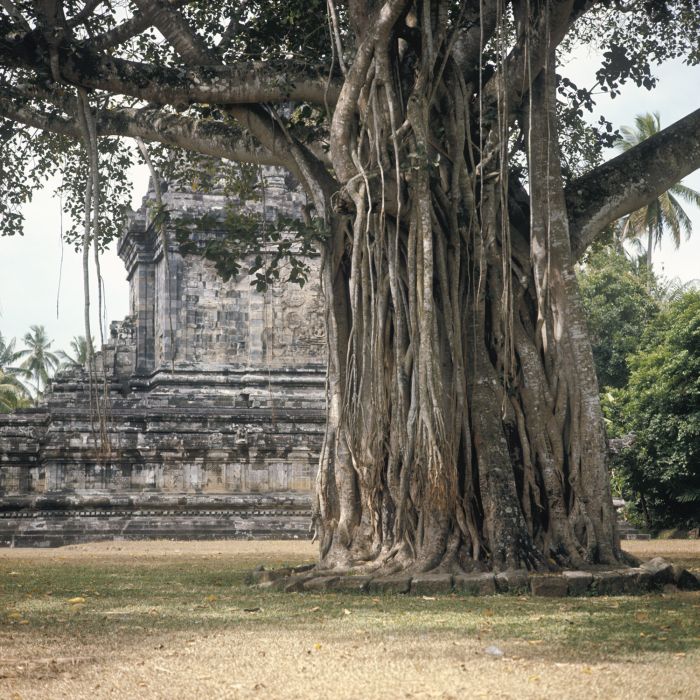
215, 412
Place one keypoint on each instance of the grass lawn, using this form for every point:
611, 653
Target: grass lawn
176, 620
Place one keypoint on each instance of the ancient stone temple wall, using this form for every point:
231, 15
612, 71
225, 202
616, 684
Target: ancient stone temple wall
215, 415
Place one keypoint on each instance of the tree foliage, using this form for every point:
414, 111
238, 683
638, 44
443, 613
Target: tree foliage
661, 406
619, 305
80, 353
39, 362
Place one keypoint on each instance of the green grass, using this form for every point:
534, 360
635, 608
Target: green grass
135, 599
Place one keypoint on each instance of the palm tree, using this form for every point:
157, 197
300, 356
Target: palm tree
665, 212
80, 350
39, 362
8, 354
12, 394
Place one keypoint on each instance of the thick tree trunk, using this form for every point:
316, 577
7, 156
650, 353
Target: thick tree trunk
464, 427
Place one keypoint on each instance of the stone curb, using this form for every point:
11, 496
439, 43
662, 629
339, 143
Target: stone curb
651, 576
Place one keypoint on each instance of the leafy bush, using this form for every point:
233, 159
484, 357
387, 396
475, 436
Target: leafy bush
619, 305
661, 406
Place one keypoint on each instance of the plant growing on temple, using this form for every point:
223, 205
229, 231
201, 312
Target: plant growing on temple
464, 425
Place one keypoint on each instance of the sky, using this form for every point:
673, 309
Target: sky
30, 266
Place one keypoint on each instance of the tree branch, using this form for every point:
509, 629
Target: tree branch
247, 83
632, 180
300, 160
204, 136
176, 30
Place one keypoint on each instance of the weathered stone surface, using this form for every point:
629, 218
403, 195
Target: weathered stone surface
636, 581
475, 584
660, 570
215, 390
579, 582
549, 586
431, 584
293, 584
608, 583
685, 580
512, 581
351, 584
390, 584
320, 583
268, 575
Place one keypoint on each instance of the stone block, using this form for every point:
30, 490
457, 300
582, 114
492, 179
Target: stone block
351, 584
475, 584
294, 584
431, 584
390, 584
549, 586
268, 575
685, 580
579, 582
512, 581
661, 571
608, 583
636, 581
320, 584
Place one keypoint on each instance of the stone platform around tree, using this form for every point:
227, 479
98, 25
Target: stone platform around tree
654, 575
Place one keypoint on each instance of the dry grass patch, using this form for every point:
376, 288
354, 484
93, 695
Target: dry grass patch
175, 620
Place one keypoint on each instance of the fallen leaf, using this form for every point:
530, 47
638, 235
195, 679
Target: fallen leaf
210, 598
317, 646
587, 669
24, 622
77, 600
533, 678
488, 612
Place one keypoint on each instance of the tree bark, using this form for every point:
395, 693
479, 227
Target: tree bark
464, 425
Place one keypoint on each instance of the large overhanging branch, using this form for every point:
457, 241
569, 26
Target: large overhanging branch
632, 180
250, 83
208, 137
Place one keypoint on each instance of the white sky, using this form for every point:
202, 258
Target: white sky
30, 265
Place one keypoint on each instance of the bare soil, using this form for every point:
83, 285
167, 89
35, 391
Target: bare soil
176, 620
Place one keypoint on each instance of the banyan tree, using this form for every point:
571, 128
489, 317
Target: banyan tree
448, 164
